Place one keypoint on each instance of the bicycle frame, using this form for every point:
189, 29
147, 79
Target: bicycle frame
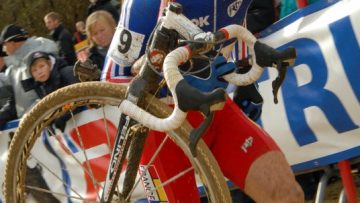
147, 81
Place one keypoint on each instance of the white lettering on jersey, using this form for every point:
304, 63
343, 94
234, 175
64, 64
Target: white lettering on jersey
247, 143
201, 21
233, 8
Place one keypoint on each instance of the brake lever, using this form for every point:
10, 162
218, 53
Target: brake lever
198, 132
281, 67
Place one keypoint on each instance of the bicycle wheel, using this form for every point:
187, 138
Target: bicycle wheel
19, 187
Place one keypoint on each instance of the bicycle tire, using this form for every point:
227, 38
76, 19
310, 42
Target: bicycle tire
98, 93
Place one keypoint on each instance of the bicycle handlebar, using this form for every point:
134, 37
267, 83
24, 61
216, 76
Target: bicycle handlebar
241, 33
262, 55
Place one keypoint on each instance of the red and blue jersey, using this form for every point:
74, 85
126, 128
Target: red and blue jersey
138, 19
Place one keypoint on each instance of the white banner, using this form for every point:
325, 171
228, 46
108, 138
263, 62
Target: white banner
318, 116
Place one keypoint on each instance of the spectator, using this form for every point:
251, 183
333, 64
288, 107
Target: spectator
80, 33
2, 60
61, 36
48, 74
17, 44
100, 29
96, 5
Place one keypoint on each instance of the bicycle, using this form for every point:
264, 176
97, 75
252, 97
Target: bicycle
153, 114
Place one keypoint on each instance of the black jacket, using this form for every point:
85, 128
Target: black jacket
7, 105
7, 102
260, 15
104, 5
5, 94
8, 112
64, 40
96, 57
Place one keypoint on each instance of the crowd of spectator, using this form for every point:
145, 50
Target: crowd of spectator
32, 67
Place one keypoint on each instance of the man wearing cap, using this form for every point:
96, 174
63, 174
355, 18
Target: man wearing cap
17, 45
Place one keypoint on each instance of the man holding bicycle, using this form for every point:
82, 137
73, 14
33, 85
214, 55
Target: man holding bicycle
246, 154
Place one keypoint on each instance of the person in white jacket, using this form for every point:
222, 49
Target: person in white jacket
17, 44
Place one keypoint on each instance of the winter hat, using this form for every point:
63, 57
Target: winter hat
35, 56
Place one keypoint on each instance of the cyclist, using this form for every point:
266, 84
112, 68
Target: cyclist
245, 153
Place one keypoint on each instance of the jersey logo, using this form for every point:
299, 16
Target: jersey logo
248, 143
201, 21
233, 8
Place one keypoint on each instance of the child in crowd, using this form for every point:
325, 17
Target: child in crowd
48, 74
80, 33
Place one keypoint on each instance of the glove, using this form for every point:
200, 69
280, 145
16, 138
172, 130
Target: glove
87, 71
249, 100
218, 68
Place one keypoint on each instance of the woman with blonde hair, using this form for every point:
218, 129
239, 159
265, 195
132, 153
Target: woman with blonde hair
100, 29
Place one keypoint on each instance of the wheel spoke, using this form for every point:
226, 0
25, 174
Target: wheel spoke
173, 178
91, 174
106, 128
67, 150
56, 176
57, 193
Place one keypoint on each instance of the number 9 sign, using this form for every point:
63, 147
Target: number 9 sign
125, 46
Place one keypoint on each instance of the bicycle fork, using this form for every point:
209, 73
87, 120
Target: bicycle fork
129, 138
130, 135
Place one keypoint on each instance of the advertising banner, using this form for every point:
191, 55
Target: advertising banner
318, 116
